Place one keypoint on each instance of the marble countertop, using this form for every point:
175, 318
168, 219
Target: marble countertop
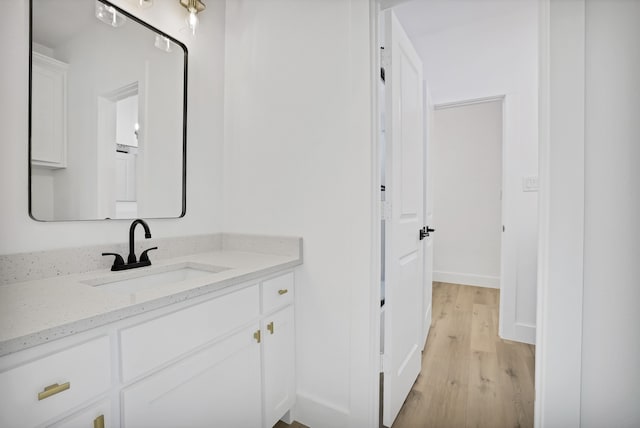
39, 311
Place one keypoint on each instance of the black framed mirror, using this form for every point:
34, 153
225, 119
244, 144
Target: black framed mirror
107, 114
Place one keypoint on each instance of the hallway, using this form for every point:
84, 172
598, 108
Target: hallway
470, 377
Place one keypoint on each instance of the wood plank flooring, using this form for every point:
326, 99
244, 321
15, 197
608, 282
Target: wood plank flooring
470, 377
294, 424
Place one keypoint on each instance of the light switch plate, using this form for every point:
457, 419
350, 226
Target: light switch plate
530, 184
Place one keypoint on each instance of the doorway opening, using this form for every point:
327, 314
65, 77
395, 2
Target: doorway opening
119, 143
467, 171
470, 52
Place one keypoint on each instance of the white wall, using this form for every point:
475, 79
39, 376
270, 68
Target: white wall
19, 233
611, 320
86, 184
587, 371
299, 161
467, 149
487, 58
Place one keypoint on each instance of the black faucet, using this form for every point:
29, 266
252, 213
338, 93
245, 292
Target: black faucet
132, 262
132, 229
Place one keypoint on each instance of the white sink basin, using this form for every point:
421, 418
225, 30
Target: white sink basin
144, 280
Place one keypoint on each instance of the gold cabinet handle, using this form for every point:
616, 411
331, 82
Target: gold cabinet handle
283, 291
270, 327
256, 336
98, 422
53, 390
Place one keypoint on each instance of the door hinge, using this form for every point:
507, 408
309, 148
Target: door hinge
385, 210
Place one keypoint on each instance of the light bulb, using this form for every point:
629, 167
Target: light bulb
108, 14
192, 21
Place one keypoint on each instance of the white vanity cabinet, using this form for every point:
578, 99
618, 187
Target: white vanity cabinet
151, 344
224, 361
224, 382
43, 387
48, 112
214, 374
98, 415
218, 386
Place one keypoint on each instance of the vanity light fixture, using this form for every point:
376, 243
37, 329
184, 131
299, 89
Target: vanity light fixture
194, 7
109, 15
144, 4
163, 43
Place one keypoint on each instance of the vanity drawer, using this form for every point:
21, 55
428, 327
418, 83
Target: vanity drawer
277, 292
156, 342
85, 369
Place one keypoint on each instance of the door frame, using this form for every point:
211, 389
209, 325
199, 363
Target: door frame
504, 277
508, 274
559, 316
544, 316
375, 362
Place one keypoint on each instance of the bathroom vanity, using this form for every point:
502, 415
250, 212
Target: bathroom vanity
215, 348
200, 336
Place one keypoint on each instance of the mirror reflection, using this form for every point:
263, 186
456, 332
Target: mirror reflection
107, 129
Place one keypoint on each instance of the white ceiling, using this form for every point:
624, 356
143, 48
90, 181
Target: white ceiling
56, 21
424, 17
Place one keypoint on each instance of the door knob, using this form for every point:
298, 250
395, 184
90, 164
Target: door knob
424, 232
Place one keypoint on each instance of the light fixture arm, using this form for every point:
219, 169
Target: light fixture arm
193, 5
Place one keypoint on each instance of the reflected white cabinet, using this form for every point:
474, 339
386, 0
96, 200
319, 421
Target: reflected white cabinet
126, 177
48, 112
218, 386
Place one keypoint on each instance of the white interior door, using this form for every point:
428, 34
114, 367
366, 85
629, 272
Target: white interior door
405, 191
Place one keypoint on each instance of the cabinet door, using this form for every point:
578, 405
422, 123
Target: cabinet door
96, 416
218, 386
126, 177
279, 365
48, 387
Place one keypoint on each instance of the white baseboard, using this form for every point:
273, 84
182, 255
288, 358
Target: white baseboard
525, 333
467, 279
521, 332
315, 412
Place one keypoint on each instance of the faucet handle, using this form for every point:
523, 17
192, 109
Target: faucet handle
144, 257
119, 261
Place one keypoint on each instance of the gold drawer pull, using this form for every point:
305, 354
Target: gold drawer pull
284, 291
53, 390
98, 422
256, 336
270, 327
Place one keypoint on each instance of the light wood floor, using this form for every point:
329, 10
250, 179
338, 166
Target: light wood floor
295, 424
470, 377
